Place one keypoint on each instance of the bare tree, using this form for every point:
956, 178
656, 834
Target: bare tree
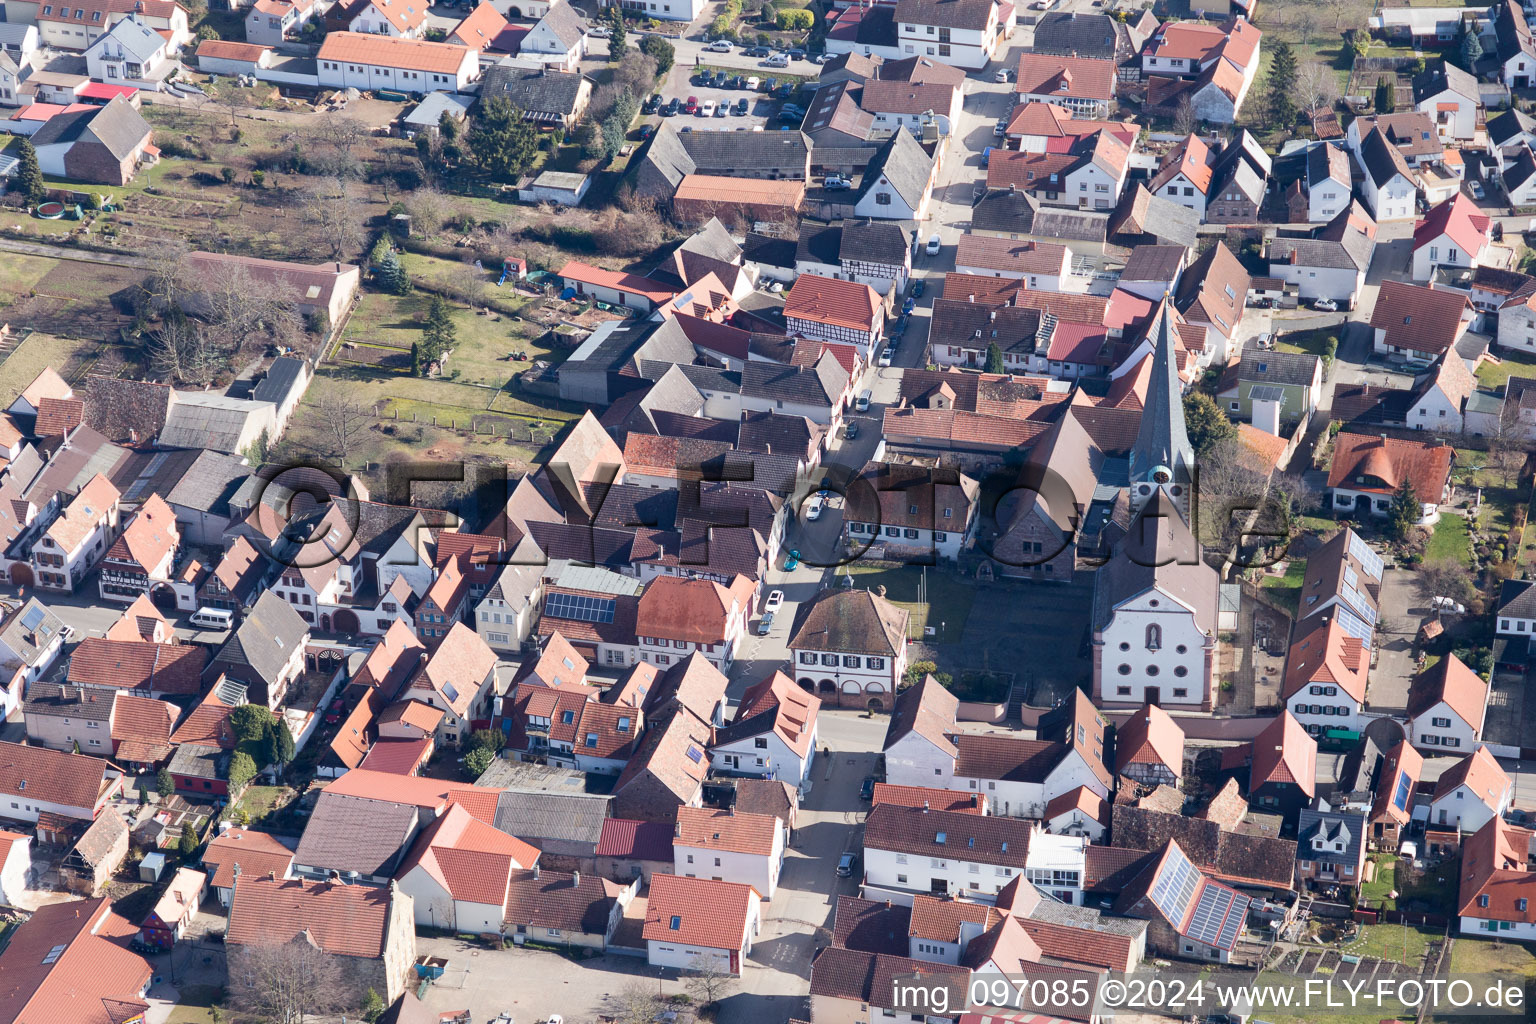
636, 1004
233, 100
285, 983
706, 981
243, 305
1507, 444
1444, 577
342, 421
185, 351
468, 284
1230, 491
1306, 24
429, 209
1317, 87
1184, 119
335, 210
169, 274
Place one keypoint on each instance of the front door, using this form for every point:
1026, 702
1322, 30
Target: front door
1154, 694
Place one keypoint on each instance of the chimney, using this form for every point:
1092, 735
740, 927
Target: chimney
925, 806
575, 878
992, 316
535, 870
887, 904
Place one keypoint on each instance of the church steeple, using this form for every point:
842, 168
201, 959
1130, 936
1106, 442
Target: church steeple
1162, 458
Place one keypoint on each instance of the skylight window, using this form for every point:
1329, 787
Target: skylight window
677, 923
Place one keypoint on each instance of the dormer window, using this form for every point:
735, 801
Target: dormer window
1482, 900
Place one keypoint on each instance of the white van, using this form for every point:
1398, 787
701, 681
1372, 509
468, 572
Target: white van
862, 405
213, 618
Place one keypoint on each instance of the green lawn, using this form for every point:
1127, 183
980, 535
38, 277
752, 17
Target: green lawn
949, 597
68, 356
1485, 956
1401, 943
193, 1005
1511, 364
1450, 540
1412, 888
1308, 342
1286, 590
259, 801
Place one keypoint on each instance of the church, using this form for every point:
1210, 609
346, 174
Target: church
1154, 599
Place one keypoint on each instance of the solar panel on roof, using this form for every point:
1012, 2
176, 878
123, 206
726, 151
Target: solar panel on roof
33, 618
1404, 787
1361, 552
1266, 393
1175, 886
580, 607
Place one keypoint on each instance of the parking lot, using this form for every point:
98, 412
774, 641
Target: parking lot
750, 101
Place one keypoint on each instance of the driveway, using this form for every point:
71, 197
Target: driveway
1401, 617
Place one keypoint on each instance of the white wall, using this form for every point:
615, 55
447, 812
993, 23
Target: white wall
774, 757
1125, 643
761, 873
1478, 928
913, 761
1321, 282
900, 872
1457, 734
1464, 808
1316, 721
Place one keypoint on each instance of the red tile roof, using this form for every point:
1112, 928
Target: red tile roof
1480, 773
633, 284
1283, 752
471, 860
1463, 690
1387, 462
794, 710
348, 920
1236, 40
709, 829
628, 839
141, 727
58, 416
258, 853
697, 611
51, 776
148, 537
698, 911
1080, 799
1459, 218
1326, 655
1494, 867
1190, 157
480, 29
1419, 318
1400, 760
1150, 736
1087, 78
138, 664
389, 52
837, 303
69, 962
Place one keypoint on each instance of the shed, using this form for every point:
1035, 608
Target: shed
428, 114
566, 188
151, 867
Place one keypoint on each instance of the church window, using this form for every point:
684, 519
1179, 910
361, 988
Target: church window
1154, 637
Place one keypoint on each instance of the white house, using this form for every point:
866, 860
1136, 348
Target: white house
1329, 186
371, 62
910, 850
1369, 469
397, 19
663, 10
729, 846
1450, 96
1446, 707
558, 38
1471, 792
1185, 175
1390, 187
1020, 777
15, 864
913, 511
37, 781
129, 53
1498, 888
1439, 399
919, 750
505, 615
962, 35
1519, 175
1041, 266
1333, 263
850, 646
689, 920
1081, 812
72, 543
1516, 49
446, 895
774, 735
1455, 234
31, 639
1325, 674
898, 181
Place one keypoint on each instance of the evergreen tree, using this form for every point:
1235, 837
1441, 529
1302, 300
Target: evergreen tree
187, 845
1386, 95
477, 761
1205, 423
1405, 513
279, 744
415, 360
164, 784
241, 770
501, 143
618, 41
391, 275
29, 176
373, 1007
1471, 48
664, 53
994, 359
437, 335
1282, 86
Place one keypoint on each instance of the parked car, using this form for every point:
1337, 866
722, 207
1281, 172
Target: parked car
862, 404
917, 289
813, 508
836, 183
775, 600
765, 624
1004, 75
736, 82
692, 106
600, 31
885, 356
778, 60
719, 46
707, 108
1477, 190
752, 83
1326, 306
848, 861
795, 54
793, 561
769, 84
822, 58
723, 109
646, 131
934, 244
672, 107
784, 91
1000, 129
867, 790
740, 110
756, 51
986, 157
851, 431
651, 103
909, 305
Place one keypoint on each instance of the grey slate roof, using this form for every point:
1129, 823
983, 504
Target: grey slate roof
1382, 160
1326, 161
1517, 599
568, 818
267, 637
808, 385
353, 833
768, 250
875, 242
563, 20
537, 91
1012, 210
819, 243
904, 163
137, 39
1141, 213
727, 153
703, 378
282, 377
968, 14
31, 630
1278, 367
1447, 77
117, 126
661, 168
1332, 827
1078, 34
1510, 124
1311, 252
1159, 551
209, 483
1520, 170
